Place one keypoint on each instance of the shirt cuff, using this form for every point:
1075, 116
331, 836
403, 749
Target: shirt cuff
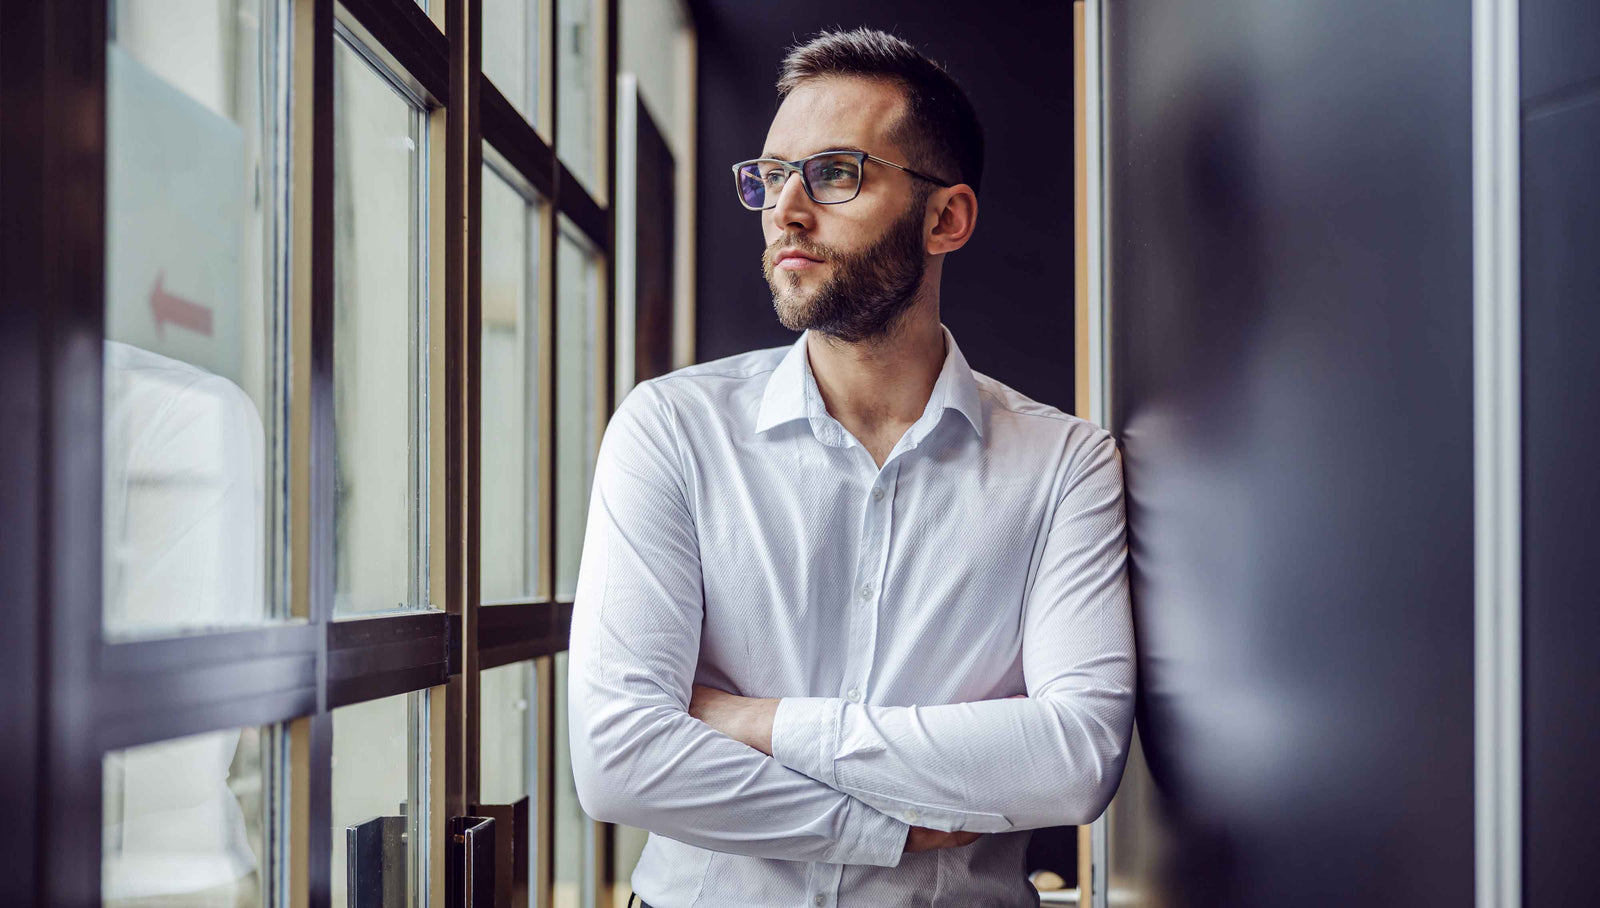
869, 837
805, 735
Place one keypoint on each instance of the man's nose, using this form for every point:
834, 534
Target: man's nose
794, 206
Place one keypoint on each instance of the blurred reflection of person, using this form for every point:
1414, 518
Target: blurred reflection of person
183, 537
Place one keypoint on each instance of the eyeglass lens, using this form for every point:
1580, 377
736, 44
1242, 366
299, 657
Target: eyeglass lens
830, 178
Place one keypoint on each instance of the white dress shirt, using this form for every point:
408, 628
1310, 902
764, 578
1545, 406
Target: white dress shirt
740, 537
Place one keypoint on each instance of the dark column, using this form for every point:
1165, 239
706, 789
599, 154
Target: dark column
1560, 70
1290, 242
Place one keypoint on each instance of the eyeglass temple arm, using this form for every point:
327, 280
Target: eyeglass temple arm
934, 180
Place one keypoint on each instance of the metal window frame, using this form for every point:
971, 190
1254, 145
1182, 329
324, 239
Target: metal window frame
1497, 454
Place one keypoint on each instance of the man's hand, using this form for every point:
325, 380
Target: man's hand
921, 838
744, 719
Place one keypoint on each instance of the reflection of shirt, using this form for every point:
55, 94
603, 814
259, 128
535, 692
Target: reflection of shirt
740, 537
183, 551
183, 497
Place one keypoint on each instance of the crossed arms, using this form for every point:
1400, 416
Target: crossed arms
844, 782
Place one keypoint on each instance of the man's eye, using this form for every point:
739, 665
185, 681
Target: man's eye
837, 173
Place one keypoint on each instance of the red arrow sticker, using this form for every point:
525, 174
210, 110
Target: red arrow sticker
166, 307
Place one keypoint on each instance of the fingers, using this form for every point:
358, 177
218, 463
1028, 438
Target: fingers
922, 838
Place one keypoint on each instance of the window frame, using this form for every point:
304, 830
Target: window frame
83, 695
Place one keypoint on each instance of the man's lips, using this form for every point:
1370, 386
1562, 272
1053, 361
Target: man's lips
795, 261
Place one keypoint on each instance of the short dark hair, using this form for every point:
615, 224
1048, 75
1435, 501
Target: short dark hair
940, 129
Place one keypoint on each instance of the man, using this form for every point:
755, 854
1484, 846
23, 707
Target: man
817, 579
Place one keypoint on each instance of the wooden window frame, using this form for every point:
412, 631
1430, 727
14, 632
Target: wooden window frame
81, 695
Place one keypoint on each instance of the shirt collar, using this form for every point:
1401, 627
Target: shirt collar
791, 391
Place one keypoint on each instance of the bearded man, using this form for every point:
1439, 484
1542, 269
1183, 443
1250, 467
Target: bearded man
851, 618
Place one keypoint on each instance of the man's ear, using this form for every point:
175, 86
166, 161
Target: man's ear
956, 209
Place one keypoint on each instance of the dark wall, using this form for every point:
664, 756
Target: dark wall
1561, 425
1008, 295
1291, 284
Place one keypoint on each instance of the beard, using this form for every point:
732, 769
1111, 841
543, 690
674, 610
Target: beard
868, 292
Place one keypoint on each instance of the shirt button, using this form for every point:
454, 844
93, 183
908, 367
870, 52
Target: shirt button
866, 592
911, 815
820, 900
854, 695
877, 494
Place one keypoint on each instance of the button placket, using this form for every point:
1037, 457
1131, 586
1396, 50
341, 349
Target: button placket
879, 559
863, 615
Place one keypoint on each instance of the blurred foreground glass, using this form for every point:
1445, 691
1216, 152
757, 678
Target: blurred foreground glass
379, 340
192, 822
380, 800
577, 388
195, 357
510, 438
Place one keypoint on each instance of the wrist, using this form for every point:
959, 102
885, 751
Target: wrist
757, 730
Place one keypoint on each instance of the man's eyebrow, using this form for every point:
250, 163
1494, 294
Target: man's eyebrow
843, 146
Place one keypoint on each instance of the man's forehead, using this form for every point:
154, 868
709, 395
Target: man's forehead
836, 113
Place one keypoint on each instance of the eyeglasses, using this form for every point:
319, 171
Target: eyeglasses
829, 177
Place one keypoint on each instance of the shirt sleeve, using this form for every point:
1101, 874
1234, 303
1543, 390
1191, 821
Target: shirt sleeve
638, 757
1054, 758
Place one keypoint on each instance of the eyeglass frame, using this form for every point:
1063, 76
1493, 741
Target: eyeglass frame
797, 166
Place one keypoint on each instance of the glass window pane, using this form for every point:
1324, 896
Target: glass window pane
506, 759
509, 509
654, 45
577, 427
190, 822
380, 772
577, 56
627, 845
507, 754
195, 380
573, 846
379, 339
510, 51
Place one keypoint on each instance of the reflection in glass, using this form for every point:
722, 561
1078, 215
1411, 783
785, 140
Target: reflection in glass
188, 823
510, 51
577, 427
195, 392
380, 770
509, 449
379, 339
576, 59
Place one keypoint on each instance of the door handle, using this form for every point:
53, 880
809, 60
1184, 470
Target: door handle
511, 837
469, 863
375, 863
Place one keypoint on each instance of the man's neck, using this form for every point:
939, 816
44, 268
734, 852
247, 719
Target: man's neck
879, 390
